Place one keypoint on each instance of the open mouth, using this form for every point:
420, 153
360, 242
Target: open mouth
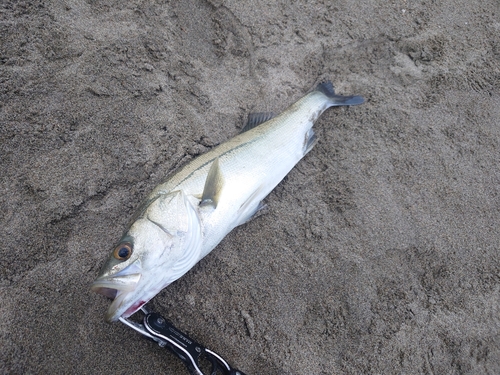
111, 286
118, 286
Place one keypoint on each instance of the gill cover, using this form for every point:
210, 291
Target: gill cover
174, 214
164, 243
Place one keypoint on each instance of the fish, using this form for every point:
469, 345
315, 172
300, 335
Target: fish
184, 218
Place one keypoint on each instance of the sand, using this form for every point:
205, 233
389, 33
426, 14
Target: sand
379, 252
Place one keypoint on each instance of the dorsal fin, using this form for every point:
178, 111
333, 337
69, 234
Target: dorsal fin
255, 119
213, 185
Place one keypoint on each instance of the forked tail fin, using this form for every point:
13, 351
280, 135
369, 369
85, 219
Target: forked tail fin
327, 89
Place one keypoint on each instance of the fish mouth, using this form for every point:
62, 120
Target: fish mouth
118, 287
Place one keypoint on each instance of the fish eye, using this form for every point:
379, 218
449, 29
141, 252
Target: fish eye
123, 251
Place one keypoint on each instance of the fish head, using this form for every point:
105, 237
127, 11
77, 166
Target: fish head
163, 243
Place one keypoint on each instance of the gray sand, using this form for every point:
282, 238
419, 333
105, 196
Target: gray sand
379, 252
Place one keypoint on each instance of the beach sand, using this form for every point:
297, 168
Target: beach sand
379, 252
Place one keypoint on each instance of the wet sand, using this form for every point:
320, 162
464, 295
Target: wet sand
379, 252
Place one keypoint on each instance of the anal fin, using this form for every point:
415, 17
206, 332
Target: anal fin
213, 186
309, 141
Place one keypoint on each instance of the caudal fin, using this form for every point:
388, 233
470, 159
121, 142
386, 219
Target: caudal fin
327, 89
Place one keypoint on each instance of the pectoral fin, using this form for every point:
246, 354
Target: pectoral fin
213, 186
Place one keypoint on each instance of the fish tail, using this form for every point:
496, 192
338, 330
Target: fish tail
335, 100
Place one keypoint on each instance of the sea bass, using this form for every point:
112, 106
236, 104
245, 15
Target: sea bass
184, 218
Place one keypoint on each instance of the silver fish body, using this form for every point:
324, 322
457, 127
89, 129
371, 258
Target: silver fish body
184, 218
